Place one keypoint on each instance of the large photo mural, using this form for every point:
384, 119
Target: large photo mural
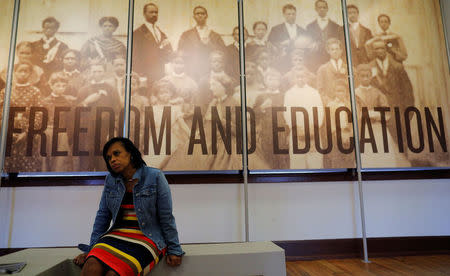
68, 91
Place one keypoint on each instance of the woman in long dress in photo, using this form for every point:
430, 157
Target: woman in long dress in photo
104, 47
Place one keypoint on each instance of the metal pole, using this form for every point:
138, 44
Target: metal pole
9, 76
355, 125
444, 25
126, 117
243, 113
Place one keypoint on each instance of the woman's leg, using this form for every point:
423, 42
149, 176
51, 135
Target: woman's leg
92, 267
111, 273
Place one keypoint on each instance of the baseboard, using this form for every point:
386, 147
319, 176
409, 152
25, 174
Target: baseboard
352, 248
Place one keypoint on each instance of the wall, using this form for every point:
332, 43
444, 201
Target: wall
63, 216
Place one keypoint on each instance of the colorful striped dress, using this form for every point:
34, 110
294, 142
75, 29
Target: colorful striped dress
125, 249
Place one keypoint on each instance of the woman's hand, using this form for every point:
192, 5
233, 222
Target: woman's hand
173, 260
80, 259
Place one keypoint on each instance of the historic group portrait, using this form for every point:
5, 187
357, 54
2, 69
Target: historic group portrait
69, 84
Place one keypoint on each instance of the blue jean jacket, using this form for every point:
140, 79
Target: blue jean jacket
153, 205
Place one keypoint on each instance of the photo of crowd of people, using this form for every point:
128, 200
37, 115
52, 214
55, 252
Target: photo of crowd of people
68, 89
303, 49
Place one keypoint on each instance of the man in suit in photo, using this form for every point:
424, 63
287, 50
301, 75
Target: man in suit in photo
321, 30
284, 35
359, 35
198, 43
390, 77
48, 51
151, 48
232, 55
332, 72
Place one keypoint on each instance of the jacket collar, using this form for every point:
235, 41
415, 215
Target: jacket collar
138, 173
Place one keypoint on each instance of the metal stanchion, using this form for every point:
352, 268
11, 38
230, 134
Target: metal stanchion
126, 113
9, 77
355, 125
243, 113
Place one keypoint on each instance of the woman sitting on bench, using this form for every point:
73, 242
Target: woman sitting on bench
137, 199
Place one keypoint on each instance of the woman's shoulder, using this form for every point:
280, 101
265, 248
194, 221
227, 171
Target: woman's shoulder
150, 171
110, 179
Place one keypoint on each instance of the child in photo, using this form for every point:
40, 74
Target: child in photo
301, 94
24, 53
57, 158
185, 86
371, 97
23, 94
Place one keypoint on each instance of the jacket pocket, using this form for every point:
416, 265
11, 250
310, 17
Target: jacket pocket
147, 197
147, 191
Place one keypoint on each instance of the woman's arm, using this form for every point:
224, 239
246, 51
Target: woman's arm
166, 218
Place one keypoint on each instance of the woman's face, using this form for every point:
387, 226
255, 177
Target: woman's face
260, 31
59, 87
49, 29
22, 74
108, 29
70, 60
384, 23
24, 54
118, 158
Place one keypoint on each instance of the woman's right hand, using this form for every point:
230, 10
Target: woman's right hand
80, 259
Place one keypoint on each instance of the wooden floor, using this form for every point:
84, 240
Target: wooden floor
411, 265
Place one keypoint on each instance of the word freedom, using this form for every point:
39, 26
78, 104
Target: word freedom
411, 122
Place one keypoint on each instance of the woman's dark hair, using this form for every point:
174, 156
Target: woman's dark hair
24, 44
259, 23
200, 7
135, 159
50, 19
110, 19
75, 52
384, 15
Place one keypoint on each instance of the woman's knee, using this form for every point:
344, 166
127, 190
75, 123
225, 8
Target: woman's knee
92, 266
111, 273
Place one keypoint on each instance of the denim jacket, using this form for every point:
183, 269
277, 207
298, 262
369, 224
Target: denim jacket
153, 205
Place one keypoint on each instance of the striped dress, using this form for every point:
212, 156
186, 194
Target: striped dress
125, 249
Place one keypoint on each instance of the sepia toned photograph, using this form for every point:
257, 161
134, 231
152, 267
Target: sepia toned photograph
297, 85
6, 15
186, 100
61, 103
69, 78
297, 54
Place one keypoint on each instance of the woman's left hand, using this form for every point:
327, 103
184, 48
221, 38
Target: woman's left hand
173, 260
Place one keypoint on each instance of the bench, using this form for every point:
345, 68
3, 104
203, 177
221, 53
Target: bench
227, 259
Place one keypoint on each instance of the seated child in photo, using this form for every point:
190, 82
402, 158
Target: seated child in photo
58, 145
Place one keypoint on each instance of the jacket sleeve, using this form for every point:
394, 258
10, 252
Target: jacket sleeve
102, 220
166, 218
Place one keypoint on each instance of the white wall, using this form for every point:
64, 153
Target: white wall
63, 216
